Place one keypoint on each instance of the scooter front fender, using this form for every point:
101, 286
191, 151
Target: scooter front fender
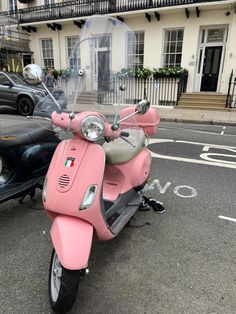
72, 240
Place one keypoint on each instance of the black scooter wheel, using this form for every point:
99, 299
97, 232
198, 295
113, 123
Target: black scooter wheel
63, 285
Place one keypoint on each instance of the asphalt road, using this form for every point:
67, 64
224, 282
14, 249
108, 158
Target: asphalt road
183, 261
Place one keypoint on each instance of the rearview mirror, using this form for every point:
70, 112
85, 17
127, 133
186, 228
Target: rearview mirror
33, 74
142, 107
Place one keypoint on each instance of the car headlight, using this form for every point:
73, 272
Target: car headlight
92, 128
39, 93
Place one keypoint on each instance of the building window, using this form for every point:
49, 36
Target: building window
11, 5
47, 53
47, 2
173, 42
73, 58
135, 50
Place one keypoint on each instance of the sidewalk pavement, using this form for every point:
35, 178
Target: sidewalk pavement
198, 116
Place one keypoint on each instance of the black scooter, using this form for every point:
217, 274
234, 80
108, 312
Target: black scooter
24, 158
26, 151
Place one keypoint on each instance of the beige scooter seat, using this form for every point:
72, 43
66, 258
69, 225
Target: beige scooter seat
119, 151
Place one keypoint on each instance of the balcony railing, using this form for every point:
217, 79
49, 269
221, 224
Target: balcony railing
14, 45
79, 8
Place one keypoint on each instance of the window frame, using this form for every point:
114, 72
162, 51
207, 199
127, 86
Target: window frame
138, 43
42, 53
68, 54
170, 64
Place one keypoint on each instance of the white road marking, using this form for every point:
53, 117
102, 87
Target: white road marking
206, 144
157, 183
195, 161
167, 140
222, 132
227, 218
197, 131
206, 157
206, 147
193, 192
189, 192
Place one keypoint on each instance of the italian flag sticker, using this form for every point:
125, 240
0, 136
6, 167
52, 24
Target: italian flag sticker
70, 161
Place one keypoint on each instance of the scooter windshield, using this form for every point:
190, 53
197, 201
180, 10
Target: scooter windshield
101, 72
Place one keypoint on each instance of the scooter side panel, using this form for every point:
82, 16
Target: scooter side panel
128, 175
72, 240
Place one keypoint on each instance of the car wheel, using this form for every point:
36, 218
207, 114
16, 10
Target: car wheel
25, 106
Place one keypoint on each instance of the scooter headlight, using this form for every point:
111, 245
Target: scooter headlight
92, 128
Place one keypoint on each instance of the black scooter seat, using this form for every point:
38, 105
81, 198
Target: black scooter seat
24, 134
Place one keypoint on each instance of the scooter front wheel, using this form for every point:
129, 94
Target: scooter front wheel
62, 285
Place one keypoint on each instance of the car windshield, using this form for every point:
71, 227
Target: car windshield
17, 79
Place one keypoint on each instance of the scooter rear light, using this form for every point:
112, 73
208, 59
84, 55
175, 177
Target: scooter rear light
89, 197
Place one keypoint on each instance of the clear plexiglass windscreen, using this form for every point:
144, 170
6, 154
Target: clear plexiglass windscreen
101, 71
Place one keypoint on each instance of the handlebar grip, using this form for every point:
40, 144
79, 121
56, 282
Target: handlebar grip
124, 134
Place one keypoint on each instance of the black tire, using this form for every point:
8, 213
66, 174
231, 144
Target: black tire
67, 292
25, 106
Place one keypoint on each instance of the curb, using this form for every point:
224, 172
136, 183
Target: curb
212, 122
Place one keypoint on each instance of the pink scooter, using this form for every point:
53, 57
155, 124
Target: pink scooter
94, 181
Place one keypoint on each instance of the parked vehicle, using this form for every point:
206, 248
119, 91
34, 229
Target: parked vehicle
94, 182
25, 153
17, 94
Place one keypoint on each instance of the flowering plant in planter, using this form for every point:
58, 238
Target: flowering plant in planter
124, 73
168, 72
143, 73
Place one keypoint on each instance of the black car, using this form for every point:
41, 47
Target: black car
17, 94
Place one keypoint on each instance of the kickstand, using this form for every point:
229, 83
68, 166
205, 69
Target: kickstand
31, 193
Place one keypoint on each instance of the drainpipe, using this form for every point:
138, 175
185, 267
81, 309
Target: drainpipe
59, 48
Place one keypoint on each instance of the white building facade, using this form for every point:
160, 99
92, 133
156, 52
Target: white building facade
198, 36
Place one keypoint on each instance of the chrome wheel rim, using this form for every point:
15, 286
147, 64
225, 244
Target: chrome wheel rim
55, 281
25, 106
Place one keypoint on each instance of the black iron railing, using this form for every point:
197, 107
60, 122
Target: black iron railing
231, 95
164, 91
80, 8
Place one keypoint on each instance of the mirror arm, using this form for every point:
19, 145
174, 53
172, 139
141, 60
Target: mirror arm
127, 117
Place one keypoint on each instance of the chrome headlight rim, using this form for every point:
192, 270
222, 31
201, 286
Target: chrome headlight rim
88, 123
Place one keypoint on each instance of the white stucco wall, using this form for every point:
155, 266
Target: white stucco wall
154, 31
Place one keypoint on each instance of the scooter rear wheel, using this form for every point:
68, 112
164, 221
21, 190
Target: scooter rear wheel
62, 285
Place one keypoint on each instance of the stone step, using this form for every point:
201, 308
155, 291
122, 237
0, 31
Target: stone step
202, 99
204, 95
200, 103
205, 107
